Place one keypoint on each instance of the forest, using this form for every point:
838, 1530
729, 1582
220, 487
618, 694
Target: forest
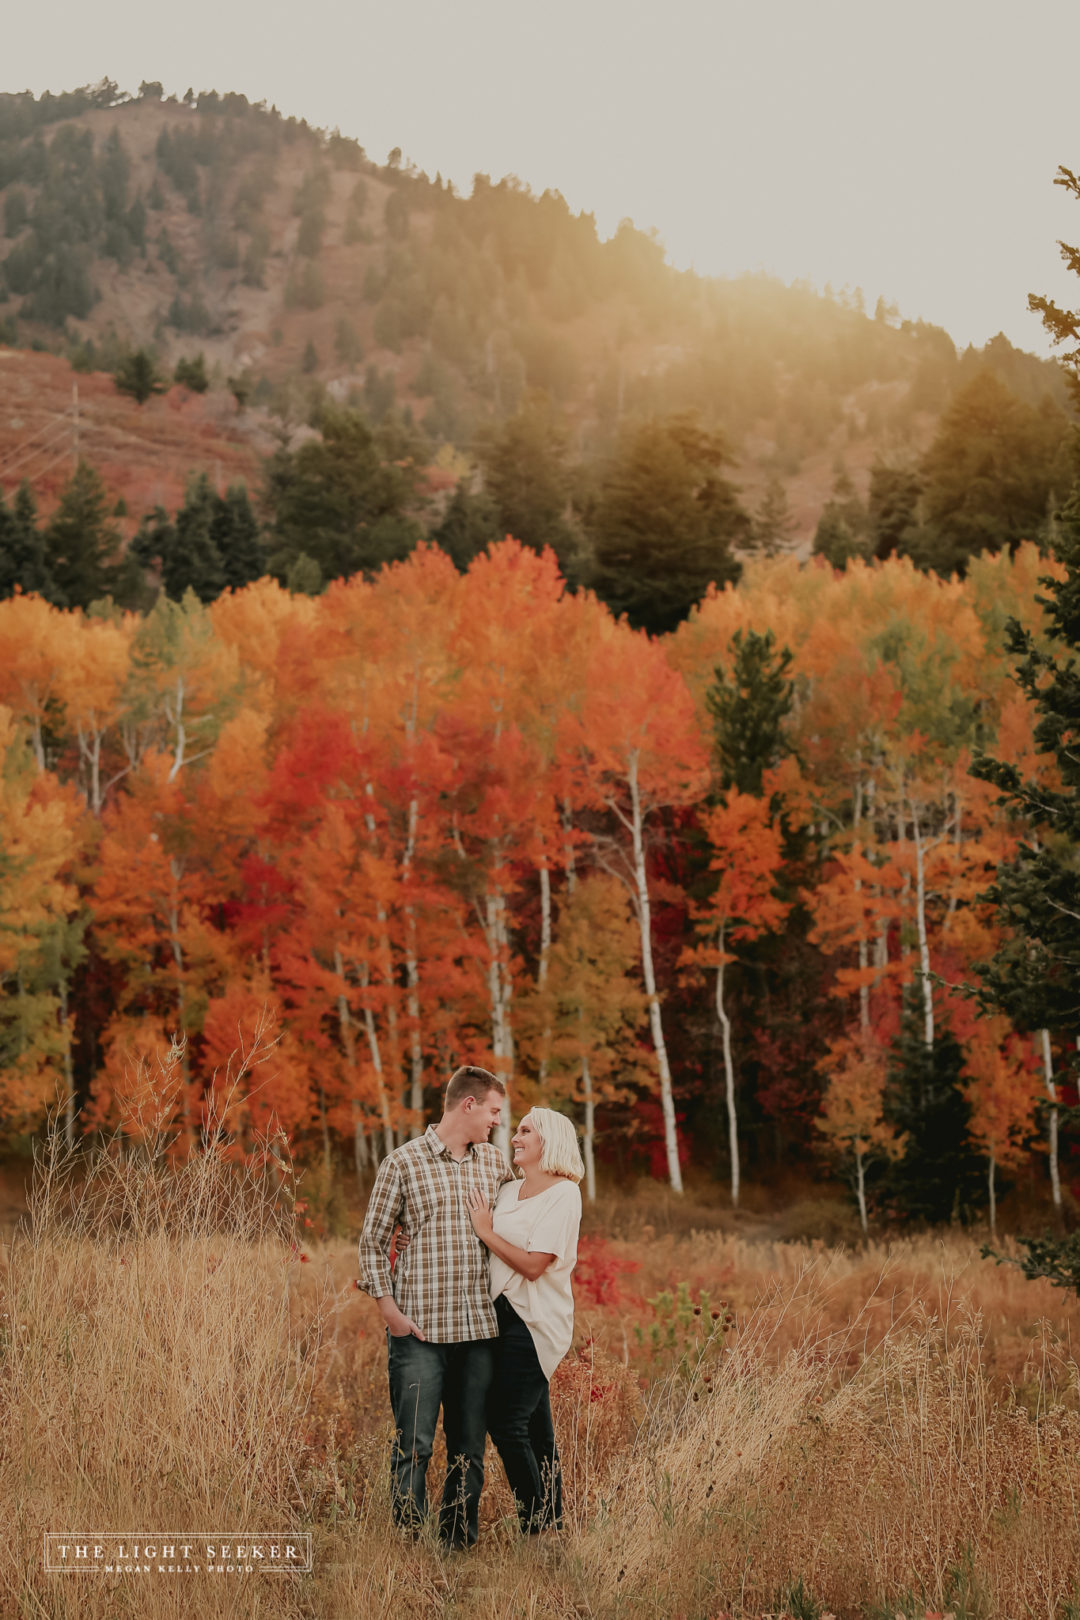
721, 893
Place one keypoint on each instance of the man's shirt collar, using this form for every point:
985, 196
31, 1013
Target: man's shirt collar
437, 1146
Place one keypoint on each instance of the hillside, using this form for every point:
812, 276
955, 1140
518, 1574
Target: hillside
289, 259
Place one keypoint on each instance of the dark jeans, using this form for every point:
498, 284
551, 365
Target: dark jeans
519, 1420
424, 1377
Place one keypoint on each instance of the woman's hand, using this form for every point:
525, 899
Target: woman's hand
480, 1215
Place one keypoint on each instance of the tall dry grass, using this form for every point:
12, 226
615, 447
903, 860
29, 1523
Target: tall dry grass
880, 1433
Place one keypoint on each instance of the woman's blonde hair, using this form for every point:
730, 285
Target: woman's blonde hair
560, 1155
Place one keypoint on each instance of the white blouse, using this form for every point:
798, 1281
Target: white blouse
546, 1223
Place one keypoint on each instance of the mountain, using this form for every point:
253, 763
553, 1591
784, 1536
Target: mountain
297, 265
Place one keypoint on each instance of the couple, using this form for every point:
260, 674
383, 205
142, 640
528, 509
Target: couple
478, 1307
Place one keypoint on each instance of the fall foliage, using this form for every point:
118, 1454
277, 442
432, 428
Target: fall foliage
431, 817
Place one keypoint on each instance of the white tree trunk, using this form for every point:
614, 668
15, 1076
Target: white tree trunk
412, 983
69, 1076
348, 1041
920, 922
1052, 1123
729, 1080
656, 1024
500, 989
542, 964
377, 1064
589, 1136
990, 1180
864, 988
860, 1189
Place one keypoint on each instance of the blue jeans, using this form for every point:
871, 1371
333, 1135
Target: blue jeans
423, 1378
519, 1418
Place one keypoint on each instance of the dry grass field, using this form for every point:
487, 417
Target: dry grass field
749, 1427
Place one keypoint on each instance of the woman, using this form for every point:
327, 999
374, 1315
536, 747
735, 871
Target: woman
532, 1233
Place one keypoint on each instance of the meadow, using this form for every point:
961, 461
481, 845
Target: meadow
749, 1425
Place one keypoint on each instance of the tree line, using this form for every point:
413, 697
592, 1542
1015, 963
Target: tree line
716, 893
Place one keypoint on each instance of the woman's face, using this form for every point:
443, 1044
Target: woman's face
527, 1144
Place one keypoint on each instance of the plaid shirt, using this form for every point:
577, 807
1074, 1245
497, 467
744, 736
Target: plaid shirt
441, 1281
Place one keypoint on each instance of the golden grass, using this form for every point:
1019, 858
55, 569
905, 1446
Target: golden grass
893, 1430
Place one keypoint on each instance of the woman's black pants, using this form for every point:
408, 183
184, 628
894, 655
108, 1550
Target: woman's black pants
519, 1421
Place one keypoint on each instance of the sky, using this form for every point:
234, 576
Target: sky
908, 150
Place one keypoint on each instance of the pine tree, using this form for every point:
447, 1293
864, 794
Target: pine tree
774, 522
1032, 976
137, 375
235, 531
23, 564
197, 563
665, 523
468, 527
939, 1176
81, 546
749, 708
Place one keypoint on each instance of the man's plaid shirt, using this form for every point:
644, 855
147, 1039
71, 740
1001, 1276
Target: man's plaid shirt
441, 1281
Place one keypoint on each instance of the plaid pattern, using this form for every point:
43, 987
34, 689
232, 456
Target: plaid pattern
441, 1281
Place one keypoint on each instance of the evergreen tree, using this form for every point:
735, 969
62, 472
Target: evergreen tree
841, 533
939, 1176
23, 563
749, 709
185, 550
468, 527
81, 545
527, 478
1032, 977
336, 500
234, 529
137, 375
774, 523
196, 561
893, 507
988, 475
191, 373
665, 523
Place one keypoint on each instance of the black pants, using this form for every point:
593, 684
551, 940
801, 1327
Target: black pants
519, 1421
424, 1377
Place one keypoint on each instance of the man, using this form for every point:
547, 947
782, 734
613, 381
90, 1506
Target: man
440, 1322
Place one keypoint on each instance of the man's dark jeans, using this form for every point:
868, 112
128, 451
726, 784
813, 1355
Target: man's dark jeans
519, 1418
424, 1377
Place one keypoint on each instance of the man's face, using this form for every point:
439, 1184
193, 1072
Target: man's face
483, 1114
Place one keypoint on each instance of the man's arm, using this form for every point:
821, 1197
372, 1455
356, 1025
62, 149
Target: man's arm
385, 1209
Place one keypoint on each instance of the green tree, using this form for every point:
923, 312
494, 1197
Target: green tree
527, 478
184, 550
235, 531
469, 526
337, 501
893, 507
191, 373
988, 476
23, 562
938, 1177
773, 527
841, 533
138, 375
665, 522
81, 545
1032, 976
749, 708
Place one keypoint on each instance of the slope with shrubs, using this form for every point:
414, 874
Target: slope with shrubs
291, 259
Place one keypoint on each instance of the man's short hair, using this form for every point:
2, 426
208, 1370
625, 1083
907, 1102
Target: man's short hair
471, 1081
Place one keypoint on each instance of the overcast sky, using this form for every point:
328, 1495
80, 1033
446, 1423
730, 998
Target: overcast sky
909, 150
